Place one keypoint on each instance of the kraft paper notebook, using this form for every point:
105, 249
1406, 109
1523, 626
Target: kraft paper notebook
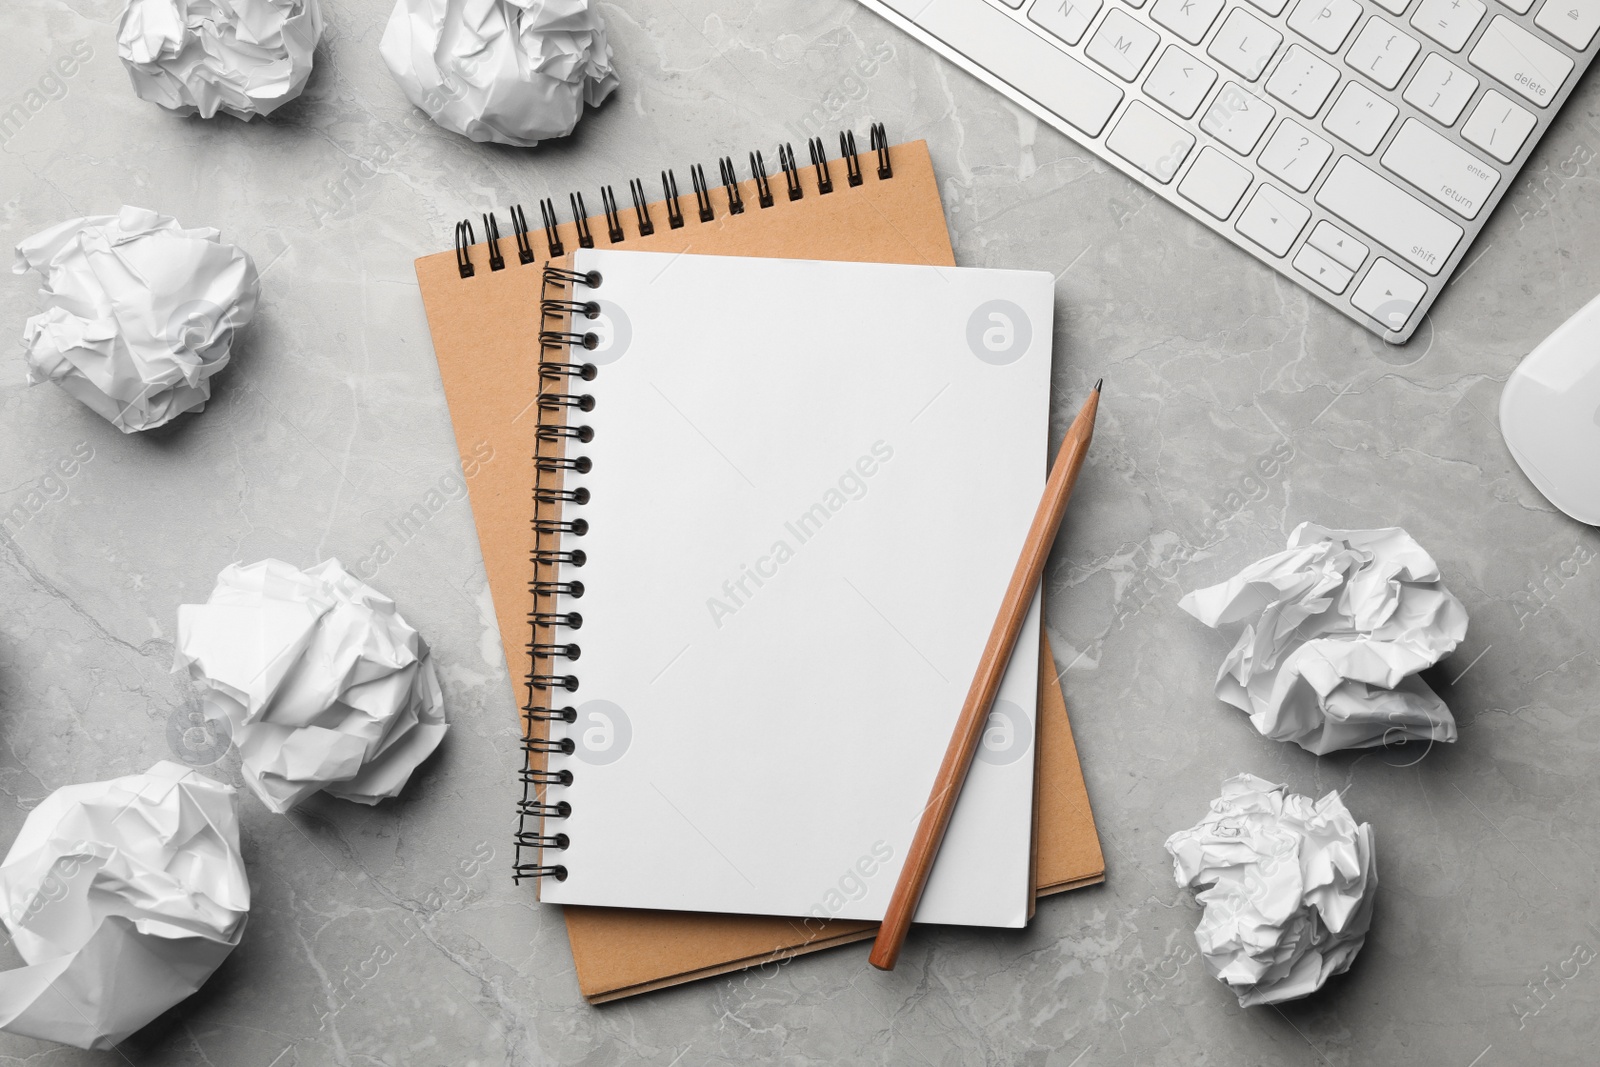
489, 372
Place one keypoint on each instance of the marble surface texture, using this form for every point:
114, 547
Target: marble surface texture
393, 935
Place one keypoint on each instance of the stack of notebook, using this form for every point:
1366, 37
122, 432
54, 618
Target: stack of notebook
764, 459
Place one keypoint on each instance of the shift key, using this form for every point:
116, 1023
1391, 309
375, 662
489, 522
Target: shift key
1377, 207
1451, 175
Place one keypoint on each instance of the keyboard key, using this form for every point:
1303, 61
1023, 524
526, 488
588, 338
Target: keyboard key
1237, 119
1325, 23
1345, 250
1382, 52
1516, 58
1498, 126
1440, 89
1153, 144
1450, 174
1321, 268
1303, 81
1271, 7
1065, 19
1450, 22
1295, 154
1519, 6
1215, 182
1134, 3
1189, 19
1179, 81
1245, 44
1388, 294
1361, 117
1121, 45
1377, 207
989, 38
1012, 3
1573, 21
1272, 219
1394, 7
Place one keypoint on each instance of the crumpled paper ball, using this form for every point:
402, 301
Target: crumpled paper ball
510, 71
141, 314
244, 57
1289, 885
123, 897
1335, 629
321, 682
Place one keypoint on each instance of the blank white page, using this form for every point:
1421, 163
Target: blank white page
810, 484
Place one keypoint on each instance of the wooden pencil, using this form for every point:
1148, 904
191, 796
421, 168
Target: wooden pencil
985, 683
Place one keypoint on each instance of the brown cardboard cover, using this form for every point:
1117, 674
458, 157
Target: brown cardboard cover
485, 339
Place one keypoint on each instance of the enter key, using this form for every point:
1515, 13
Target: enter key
1451, 175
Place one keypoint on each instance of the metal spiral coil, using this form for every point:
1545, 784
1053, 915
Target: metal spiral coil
574, 558
579, 495
547, 777
552, 463
583, 230
580, 465
558, 401
584, 434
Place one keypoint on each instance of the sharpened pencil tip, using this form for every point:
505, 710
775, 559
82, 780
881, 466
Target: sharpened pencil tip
1098, 384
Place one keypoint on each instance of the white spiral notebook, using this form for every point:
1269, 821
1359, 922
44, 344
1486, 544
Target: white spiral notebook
792, 494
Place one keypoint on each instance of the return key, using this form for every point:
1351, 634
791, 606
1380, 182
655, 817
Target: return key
1451, 175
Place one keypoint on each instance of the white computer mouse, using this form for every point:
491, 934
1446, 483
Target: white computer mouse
1550, 415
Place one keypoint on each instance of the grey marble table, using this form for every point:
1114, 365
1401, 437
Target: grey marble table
394, 935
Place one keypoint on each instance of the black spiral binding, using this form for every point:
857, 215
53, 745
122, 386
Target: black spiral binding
491, 236
669, 190
465, 239
580, 219
608, 203
819, 159
641, 210
564, 309
566, 306
730, 182
616, 230
702, 193
552, 236
791, 171
852, 161
880, 145
519, 223
758, 171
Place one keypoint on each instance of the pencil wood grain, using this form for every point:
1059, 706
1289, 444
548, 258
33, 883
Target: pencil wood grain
985, 683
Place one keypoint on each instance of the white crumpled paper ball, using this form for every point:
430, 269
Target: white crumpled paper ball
1335, 629
509, 71
320, 681
1289, 888
141, 314
244, 57
123, 897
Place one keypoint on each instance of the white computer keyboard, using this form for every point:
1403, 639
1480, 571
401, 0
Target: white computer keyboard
1356, 146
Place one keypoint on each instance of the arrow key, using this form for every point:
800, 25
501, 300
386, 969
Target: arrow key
1388, 294
1272, 219
1321, 269
1344, 249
